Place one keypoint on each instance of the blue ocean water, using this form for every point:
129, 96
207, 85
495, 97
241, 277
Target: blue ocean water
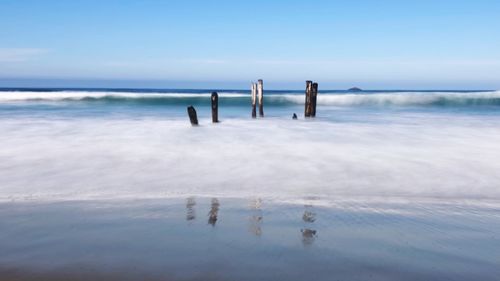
234, 103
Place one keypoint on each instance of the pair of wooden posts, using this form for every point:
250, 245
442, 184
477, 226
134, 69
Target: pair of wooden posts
258, 95
311, 98
215, 110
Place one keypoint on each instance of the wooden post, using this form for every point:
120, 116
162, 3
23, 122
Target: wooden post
192, 115
314, 98
254, 100
307, 109
215, 107
260, 93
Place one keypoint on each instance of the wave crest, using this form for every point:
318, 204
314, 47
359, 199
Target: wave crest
324, 99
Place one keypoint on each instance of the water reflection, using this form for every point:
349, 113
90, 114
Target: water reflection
214, 211
191, 212
308, 234
256, 218
309, 216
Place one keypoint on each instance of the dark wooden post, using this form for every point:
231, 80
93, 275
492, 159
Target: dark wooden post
260, 92
254, 100
192, 115
314, 98
215, 107
307, 109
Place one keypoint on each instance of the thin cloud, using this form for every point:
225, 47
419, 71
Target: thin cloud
163, 61
20, 54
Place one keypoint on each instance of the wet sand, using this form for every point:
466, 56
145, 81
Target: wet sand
250, 239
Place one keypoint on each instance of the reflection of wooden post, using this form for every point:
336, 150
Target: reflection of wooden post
257, 217
192, 115
260, 94
191, 213
308, 234
215, 107
254, 100
314, 97
307, 110
214, 211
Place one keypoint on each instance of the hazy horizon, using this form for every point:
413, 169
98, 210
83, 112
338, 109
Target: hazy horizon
216, 85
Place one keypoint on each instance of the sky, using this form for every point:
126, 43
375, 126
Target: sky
372, 44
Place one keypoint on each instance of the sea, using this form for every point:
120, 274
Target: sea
380, 185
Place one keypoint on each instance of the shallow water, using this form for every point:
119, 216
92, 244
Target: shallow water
251, 239
98, 145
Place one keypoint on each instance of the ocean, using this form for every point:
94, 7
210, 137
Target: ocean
381, 185
94, 143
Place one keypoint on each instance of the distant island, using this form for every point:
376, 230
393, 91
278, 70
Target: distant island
355, 89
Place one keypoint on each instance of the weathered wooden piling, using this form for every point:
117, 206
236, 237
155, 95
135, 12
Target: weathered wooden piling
254, 100
192, 115
314, 98
215, 107
260, 94
307, 109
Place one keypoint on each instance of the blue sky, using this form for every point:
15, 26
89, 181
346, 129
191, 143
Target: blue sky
374, 44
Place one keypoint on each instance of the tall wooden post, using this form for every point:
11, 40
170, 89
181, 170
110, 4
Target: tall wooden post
192, 115
307, 109
260, 94
215, 107
314, 98
254, 100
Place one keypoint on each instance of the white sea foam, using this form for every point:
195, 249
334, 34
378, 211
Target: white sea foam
79, 95
328, 99
83, 158
399, 98
406, 98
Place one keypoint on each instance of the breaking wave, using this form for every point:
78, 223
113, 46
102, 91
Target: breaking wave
272, 99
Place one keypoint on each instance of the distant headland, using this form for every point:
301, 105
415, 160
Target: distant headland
355, 89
